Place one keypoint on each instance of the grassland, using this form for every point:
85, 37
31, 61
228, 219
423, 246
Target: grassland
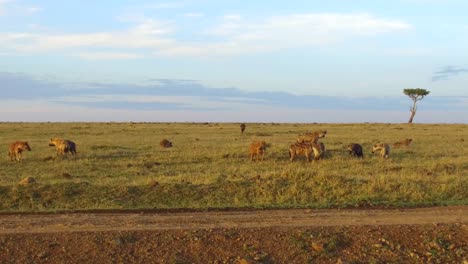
122, 166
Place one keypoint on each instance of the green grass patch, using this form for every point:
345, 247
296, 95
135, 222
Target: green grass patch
122, 166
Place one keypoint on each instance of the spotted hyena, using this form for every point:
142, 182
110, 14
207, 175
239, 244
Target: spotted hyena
403, 143
242, 128
63, 147
312, 137
307, 149
257, 148
15, 150
383, 148
355, 150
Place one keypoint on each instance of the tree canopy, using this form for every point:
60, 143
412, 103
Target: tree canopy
416, 93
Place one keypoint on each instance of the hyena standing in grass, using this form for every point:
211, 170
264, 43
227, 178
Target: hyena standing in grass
383, 148
63, 147
242, 128
355, 150
307, 149
257, 148
15, 150
311, 137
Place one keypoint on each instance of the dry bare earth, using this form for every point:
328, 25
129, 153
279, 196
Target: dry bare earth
436, 234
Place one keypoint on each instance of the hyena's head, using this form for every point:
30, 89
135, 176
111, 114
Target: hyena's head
321, 133
26, 146
378, 146
264, 145
350, 147
54, 141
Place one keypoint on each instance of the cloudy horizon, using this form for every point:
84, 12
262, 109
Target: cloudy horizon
207, 60
31, 99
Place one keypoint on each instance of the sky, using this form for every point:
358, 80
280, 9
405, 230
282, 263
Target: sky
231, 61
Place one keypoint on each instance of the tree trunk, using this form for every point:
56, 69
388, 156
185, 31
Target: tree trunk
413, 112
410, 121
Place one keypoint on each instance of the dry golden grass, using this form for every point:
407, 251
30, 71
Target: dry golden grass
121, 165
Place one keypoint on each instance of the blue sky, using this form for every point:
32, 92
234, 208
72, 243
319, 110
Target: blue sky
211, 60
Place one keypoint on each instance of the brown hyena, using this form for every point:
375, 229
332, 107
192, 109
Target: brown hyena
242, 128
257, 148
355, 150
383, 148
63, 147
307, 149
165, 143
15, 150
312, 137
403, 143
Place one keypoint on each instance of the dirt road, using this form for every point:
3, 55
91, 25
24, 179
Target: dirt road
45, 223
420, 235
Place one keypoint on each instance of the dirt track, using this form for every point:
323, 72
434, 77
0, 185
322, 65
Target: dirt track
45, 223
423, 235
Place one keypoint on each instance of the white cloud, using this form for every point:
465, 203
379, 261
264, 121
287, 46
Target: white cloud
11, 7
403, 51
234, 35
308, 28
195, 102
232, 17
167, 5
109, 56
194, 15
240, 36
32, 9
148, 34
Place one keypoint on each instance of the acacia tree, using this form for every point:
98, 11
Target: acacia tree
415, 94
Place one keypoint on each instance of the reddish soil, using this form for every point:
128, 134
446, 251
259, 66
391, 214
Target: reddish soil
421, 235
